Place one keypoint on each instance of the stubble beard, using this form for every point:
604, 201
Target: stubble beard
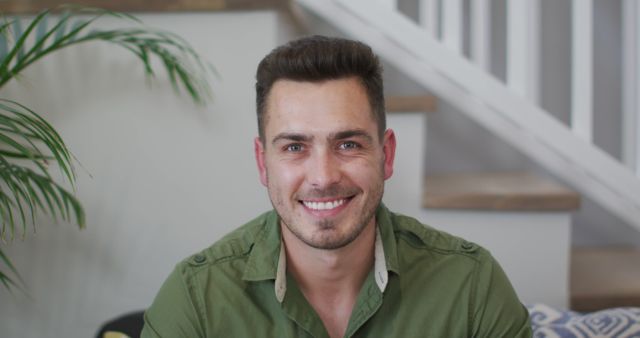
327, 239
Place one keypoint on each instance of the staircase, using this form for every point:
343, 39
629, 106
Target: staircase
511, 214
431, 51
605, 277
565, 150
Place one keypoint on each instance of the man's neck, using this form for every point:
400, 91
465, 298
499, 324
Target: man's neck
340, 269
331, 279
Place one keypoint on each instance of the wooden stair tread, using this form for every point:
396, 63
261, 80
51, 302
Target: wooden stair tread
24, 7
604, 278
497, 191
415, 103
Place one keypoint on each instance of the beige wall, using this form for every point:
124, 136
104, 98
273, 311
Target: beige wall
167, 178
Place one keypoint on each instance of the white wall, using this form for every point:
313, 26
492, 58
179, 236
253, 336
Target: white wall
167, 178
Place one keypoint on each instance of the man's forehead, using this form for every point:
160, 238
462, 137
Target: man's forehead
336, 104
287, 88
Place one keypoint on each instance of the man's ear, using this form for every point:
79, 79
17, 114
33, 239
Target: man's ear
258, 149
389, 149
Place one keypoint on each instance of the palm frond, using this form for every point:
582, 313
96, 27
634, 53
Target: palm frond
5, 279
24, 193
184, 67
22, 131
28, 137
29, 144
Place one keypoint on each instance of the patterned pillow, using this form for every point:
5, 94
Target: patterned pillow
611, 323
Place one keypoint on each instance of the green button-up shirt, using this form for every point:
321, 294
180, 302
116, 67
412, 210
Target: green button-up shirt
424, 283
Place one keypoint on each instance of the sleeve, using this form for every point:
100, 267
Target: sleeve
174, 311
496, 309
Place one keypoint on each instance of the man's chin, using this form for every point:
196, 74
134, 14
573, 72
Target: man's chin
328, 243
319, 234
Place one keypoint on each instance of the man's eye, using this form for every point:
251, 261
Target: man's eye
294, 148
349, 145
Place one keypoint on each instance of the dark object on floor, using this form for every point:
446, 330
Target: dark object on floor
129, 324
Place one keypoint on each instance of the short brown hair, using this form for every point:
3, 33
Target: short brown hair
320, 58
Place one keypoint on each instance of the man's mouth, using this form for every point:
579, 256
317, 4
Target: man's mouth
325, 205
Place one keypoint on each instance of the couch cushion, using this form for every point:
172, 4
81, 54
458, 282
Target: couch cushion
548, 322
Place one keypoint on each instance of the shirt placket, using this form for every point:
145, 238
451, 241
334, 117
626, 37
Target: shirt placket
367, 304
296, 307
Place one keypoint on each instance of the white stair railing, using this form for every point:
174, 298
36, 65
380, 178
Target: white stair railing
582, 69
429, 16
631, 83
511, 110
481, 33
452, 25
523, 66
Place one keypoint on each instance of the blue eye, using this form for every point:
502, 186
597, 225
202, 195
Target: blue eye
294, 148
349, 145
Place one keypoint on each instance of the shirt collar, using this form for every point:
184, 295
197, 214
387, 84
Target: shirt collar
267, 259
262, 263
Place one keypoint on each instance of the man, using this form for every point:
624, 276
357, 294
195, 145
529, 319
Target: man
331, 260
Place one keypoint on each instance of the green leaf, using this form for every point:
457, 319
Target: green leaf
61, 26
76, 29
18, 48
18, 33
4, 45
28, 143
6, 280
40, 130
41, 33
20, 197
6, 206
23, 156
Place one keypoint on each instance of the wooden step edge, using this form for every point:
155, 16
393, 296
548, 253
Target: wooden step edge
31, 7
498, 191
415, 103
604, 278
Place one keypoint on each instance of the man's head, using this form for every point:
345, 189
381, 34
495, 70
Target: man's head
317, 59
321, 153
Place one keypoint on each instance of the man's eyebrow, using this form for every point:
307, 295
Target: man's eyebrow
360, 133
291, 137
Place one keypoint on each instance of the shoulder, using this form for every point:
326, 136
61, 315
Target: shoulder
233, 246
422, 237
457, 266
201, 280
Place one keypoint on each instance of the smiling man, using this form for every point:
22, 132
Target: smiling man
330, 260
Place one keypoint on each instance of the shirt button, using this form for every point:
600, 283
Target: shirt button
199, 259
468, 246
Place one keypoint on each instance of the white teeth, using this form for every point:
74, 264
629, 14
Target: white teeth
323, 205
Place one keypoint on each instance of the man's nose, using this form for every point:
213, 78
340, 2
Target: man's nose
324, 169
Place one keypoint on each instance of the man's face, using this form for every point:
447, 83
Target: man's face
322, 160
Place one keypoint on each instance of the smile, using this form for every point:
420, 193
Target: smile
324, 205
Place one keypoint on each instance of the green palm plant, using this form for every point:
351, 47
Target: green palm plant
29, 144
